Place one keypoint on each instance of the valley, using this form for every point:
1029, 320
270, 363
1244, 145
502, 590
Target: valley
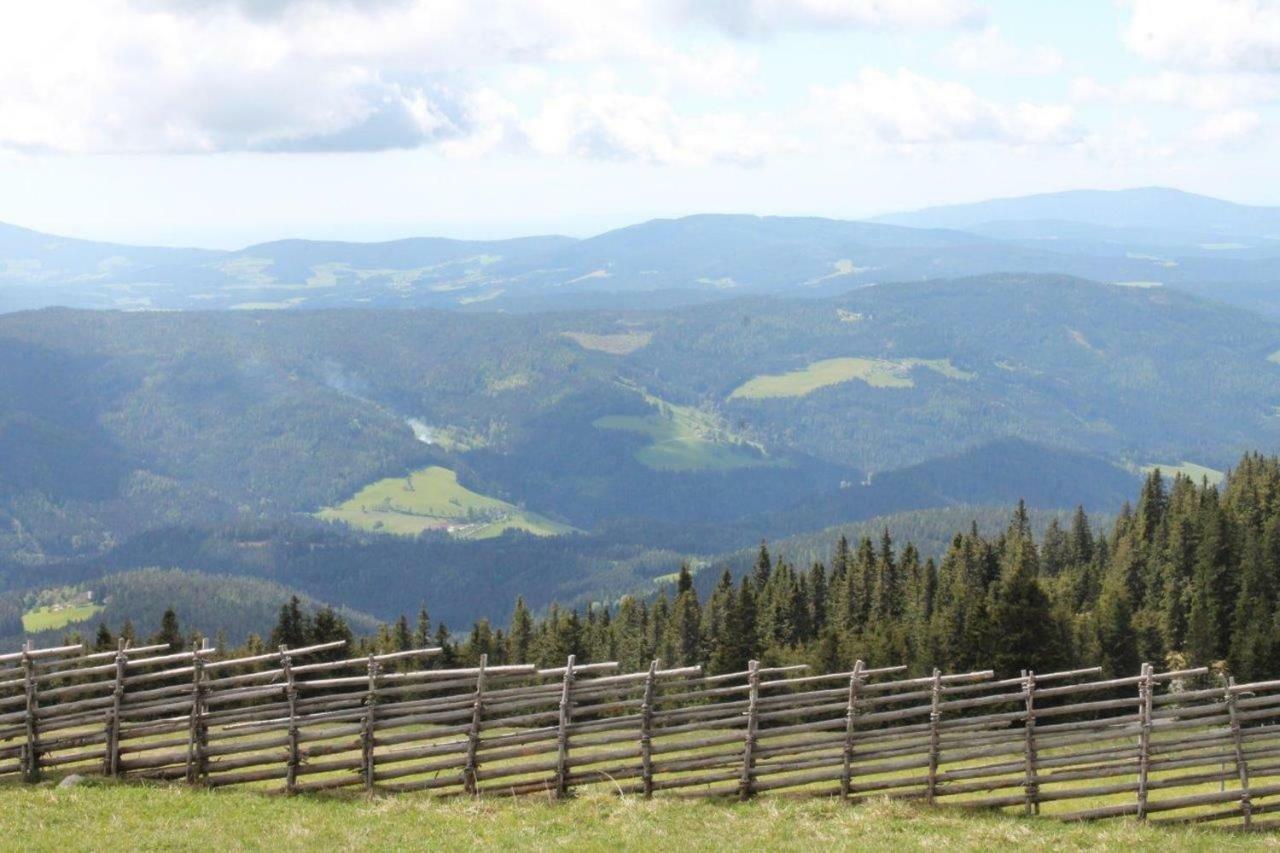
578, 448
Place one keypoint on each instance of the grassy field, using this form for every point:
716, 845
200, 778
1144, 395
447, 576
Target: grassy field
1188, 469
619, 343
106, 816
683, 438
876, 372
50, 618
433, 499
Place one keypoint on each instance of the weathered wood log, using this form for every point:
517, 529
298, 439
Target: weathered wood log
111, 756
850, 725
1031, 785
473, 734
562, 735
30, 653
646, 732
1242, 765
745, 790
1144, 738
367, 746
935, 717
31, 758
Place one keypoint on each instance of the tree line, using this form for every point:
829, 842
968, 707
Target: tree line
1187, 575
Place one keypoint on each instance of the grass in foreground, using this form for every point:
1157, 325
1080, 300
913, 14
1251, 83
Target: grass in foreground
876, 372
130, 816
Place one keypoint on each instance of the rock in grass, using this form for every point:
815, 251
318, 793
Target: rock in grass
72, 780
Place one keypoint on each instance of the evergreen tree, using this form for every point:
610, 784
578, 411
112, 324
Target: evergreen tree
763, 567
1021, 614
520, 637
292, 626
422, 631
169, 631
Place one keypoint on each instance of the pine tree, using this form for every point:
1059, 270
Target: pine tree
169, 632
763, 567
1253, 638
102, 640
684, 580
520, 637
422, 632
292, 626
685, 629
1115, 647
1021, 614
328, 626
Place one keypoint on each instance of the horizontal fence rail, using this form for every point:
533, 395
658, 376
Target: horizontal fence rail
1157, 745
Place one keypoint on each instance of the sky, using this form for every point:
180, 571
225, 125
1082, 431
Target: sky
219, 124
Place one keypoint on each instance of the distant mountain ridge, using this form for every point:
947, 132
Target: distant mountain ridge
1152, 236
1143, 207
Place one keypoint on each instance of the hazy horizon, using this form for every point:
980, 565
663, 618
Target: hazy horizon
222, 125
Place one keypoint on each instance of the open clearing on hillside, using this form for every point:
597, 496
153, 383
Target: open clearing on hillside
620, 343
433, 499
684, 438
876, 372
131, 816
51, 618
1187, 469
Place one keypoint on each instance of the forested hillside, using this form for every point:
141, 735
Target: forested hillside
1189, 575
463, 457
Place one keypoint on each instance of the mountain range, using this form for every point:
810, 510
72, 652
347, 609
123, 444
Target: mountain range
1146, 236
461, 422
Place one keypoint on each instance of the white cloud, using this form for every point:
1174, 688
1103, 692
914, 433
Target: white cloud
1228, 127
149, 76
615, 125
1239, 35
988, 50
908, 109
765, 17
1208, 91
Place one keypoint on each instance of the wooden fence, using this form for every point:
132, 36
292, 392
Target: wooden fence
1067, 743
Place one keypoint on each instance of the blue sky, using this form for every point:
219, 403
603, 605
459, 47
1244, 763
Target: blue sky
220, 124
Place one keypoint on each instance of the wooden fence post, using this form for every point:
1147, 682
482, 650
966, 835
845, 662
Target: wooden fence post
1144, 738
1242, 766
473, 734
746, 782
111, 758
366, 731
291, 696
646, 732
562, 734
1032, 785
31, 752
197, 730
850, 722
935, 717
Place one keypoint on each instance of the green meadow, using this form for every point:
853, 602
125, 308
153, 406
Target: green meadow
684, 438
433, 499
52, 618
1188, 469
100, 816
876, 372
